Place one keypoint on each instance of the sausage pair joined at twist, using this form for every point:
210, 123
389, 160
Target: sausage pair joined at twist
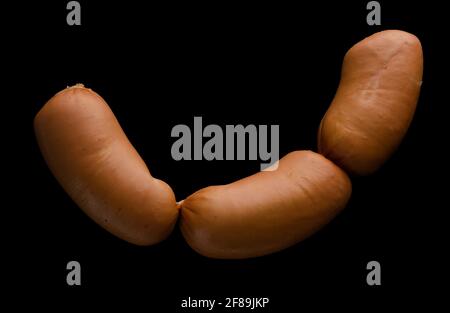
90, 155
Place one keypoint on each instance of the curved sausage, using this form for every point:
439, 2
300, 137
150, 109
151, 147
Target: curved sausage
375, 102
91, 157
265, 212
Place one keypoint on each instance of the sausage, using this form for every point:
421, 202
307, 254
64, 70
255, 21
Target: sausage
265, 212
91, 157
374, 103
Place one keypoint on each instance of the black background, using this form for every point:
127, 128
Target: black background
262, 63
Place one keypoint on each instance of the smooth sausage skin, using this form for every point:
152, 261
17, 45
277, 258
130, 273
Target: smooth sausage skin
375, 102
266, 212
91, 157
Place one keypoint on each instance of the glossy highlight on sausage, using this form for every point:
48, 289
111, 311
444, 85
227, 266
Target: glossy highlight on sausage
266, 212
375, 101
91, 157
